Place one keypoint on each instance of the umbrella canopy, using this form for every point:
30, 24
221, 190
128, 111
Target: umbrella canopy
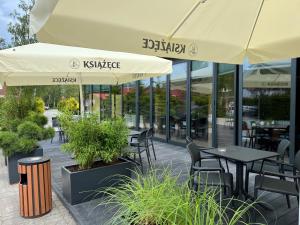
212, 30
47, 64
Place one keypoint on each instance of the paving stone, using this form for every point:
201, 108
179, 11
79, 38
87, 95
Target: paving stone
9, 206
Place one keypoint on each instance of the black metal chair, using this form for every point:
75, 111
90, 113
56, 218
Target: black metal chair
210, 175
138, 145
280, 185
56, 126
271, 165
247, 135
205, 156
149, 139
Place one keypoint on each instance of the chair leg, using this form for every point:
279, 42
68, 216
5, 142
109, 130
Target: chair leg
255, 193
288, 201
148, 156
153, 149
247, 181
141, 162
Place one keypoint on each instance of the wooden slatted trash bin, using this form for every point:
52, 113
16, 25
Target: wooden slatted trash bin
35, 195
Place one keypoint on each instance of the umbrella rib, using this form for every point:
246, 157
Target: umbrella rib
253, 28
186, 17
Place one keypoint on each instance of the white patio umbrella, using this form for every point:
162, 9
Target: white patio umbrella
47, 64
211, 30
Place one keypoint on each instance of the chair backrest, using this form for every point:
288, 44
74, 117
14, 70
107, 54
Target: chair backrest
194, 152
283, 147
150, 133
297, 161
55, 122
188, 139
142, 136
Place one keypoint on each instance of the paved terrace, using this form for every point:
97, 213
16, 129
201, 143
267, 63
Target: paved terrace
168, 156
9, 206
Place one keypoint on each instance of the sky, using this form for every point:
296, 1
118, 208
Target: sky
6, 7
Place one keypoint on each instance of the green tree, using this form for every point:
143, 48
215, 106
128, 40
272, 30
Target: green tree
19, 28
2, 43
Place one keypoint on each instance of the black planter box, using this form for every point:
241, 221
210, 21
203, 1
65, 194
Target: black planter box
80, 186
12, 164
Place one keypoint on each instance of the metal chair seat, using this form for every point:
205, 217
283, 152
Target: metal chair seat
136, 144
214, 179
276, 185
210, 163
266, 167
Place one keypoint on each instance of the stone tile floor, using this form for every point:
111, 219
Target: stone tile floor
9, 206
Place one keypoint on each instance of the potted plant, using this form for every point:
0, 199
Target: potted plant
159, 198
24, 142
97, 148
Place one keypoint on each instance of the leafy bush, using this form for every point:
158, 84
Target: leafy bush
26, 145
90, 139
48, 133
39, 105
160, 199
22, 124
8, 142
68, 105
37, 118
29, 130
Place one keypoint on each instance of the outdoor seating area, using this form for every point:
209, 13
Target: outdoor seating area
179, 160
149, 112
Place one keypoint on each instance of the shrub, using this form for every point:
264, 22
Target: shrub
90, 139
48, 133
160, 199
39, 105
37, 118
8, 142
68, 105
29, 130
26, 145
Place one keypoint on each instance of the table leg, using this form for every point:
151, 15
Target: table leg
239, 189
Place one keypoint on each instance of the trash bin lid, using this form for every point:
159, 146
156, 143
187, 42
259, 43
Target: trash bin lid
33, 160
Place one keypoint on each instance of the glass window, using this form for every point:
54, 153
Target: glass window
201, 97
88, 98
116, 100
129, 91
178, 102
105, 108
159, 115
144, 105
266, 104
225, 105
95, 98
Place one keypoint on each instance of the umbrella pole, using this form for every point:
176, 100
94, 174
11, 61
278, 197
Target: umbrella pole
81, 100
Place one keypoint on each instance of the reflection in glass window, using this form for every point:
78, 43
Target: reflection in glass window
266, 104
178, 102
144, 105
201, 93
88, 98
159, 115
104, 96
129, 91
116, 101
225, 105
95, 98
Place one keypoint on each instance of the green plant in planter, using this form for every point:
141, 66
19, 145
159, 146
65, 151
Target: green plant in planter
25, 140
37, 118
159, 199
29, 130
90, 139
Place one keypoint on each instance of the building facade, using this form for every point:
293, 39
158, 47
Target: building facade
215, 104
